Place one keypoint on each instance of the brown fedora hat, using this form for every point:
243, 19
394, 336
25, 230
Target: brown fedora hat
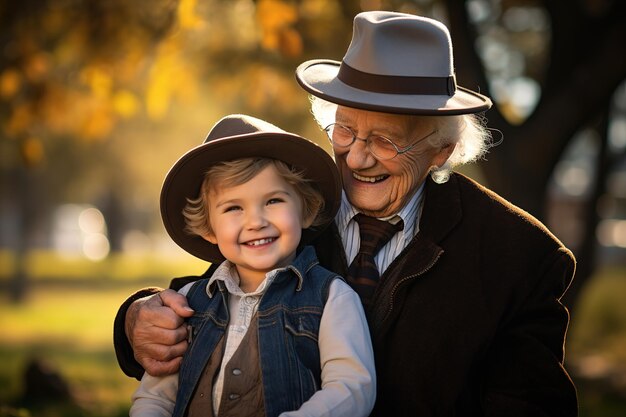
240, 136
396, 63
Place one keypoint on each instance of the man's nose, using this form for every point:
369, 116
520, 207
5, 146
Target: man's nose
359, 156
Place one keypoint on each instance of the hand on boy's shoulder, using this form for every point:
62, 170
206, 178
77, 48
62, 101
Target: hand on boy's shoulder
159, 318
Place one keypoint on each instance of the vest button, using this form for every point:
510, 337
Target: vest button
233, 397
236, 372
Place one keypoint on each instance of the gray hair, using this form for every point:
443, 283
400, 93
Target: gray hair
468, 131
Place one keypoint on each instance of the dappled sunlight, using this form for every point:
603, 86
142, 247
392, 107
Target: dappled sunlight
98, 99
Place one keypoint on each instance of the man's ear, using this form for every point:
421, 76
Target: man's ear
444, 154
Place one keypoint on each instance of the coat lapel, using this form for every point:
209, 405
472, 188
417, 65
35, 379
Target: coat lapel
440, 215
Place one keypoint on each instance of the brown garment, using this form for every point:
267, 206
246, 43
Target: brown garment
242, 394
201, 403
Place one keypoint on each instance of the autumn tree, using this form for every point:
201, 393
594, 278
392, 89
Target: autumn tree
89, 90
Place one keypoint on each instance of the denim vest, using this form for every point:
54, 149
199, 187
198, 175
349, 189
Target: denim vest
288, 315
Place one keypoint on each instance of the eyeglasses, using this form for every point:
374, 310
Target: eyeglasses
381, 147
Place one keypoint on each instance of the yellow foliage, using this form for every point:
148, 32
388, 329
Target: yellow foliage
32, 151
98, 80
290, 42
70, 51
97, 123
267, 87
171, 76
20, 119
275, 18
158, 93
60, 108
274, 14
10, 82
37, 66
317, 9
125, 103
187, 16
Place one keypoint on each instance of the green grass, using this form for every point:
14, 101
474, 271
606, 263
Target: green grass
71, 330
70, 327
46, 266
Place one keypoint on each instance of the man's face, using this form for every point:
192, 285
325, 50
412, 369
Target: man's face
380, 188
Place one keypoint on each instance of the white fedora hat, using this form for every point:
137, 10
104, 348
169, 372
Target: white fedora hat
396, 63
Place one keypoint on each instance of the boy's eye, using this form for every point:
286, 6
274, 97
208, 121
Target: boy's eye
231, 208
275, 200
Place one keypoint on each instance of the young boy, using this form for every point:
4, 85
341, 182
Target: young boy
273, 332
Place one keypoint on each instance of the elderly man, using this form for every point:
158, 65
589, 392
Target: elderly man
462, 289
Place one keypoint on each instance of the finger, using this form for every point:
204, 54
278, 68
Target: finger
156, 356
176, 302
153, 313
162, 368
161, 353
159, 336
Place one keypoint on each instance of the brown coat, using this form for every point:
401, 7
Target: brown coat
467, 320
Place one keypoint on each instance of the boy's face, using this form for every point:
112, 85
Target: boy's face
257, 225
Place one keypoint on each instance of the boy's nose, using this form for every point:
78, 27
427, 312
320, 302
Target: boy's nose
256, 219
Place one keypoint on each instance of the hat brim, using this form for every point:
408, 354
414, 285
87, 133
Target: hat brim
185, 178
319, 77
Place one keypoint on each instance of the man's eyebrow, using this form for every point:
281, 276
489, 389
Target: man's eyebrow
384, 130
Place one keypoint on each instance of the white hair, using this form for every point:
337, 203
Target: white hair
468, 131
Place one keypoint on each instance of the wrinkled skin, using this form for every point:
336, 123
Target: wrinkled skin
381, 188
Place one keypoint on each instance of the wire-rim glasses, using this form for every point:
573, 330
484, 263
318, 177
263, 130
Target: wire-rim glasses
381, 147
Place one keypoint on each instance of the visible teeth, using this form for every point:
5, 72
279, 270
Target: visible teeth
260, 241
368, 179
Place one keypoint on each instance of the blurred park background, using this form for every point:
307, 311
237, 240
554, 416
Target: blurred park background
99, 97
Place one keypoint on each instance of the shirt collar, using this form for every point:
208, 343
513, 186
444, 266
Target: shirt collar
227, 274
409, 213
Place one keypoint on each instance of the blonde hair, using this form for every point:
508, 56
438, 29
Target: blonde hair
468, 132
240, 171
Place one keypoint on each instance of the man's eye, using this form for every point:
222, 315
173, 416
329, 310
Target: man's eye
344, 132
381, 141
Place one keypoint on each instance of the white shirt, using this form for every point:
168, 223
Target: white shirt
346, 356
349, 230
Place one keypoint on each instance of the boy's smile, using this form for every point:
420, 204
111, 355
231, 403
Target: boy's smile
257, 225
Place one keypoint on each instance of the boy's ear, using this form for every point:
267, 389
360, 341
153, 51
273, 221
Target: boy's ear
308, 222
210, 237
309, 218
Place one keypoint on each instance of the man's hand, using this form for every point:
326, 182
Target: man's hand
157, 332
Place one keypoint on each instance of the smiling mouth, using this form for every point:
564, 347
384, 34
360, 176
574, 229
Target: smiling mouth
369, 179
260, 242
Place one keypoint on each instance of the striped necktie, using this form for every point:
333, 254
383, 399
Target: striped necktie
363, 274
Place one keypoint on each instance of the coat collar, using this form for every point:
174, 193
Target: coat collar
442, 208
